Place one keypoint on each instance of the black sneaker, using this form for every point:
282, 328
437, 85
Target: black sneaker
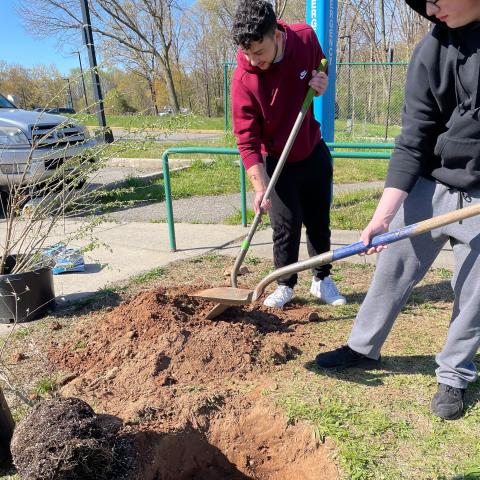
344, 357
447, 403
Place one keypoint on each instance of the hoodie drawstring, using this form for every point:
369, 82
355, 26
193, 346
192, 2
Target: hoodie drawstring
461, 196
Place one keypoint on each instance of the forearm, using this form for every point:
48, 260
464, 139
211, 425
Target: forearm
258, 177
392, 199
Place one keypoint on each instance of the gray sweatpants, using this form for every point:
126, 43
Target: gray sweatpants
405, 263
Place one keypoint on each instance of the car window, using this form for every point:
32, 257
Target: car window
4, 103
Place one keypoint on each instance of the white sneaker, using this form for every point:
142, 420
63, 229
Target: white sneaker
326, 291
279, 297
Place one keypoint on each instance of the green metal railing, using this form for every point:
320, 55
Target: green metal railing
168, 190
242, 179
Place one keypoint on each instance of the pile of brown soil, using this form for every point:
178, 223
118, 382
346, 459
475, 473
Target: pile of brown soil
142, 353
181, 381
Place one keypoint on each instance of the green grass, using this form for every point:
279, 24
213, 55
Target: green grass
361, 131
80, 345
347, 170
150, 149
364, 132
355, 170
200, 179
149, 276
353, 210
222, 177
22, 332
168, 122
44, 386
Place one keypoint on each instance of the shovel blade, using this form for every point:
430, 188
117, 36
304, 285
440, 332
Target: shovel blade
226, 295
217, 310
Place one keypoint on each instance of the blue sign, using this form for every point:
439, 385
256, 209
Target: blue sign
322, 16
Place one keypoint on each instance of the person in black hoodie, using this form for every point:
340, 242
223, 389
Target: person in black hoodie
434, 169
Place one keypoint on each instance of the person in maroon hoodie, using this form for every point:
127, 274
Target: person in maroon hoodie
276, 65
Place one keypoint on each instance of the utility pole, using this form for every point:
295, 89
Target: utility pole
97, 91
390, 60
83, 80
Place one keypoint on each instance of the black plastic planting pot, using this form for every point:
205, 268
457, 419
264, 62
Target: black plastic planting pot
25, 296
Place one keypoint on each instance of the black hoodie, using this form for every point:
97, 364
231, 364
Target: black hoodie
440, 135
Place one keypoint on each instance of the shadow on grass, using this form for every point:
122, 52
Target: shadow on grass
429, 293
432, 292
7, 470
90, 303
394, 365
474, 475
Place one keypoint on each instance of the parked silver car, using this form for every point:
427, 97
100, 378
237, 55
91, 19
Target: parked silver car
33, 145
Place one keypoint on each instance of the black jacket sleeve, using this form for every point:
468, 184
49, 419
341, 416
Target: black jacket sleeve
421, 120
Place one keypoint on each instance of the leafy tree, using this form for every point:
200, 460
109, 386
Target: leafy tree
141, 26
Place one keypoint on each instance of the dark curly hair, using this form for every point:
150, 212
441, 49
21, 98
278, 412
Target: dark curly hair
253, 20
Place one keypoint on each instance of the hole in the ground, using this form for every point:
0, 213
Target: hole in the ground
183, 455
259, 441
251, 443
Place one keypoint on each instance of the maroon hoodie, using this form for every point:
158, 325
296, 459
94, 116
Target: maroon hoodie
266, 103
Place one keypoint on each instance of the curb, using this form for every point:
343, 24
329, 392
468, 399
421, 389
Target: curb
151, 163
148, 177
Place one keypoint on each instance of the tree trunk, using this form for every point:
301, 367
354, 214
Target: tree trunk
153, 95
6, 428
383, 30
207, 95
172, 94
170, 84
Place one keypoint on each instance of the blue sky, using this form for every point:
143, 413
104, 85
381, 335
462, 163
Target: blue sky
19, 47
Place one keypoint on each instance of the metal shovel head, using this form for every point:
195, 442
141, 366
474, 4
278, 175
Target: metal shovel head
226, 295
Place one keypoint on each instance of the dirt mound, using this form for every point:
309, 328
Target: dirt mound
183, 384
63, 439
161, 339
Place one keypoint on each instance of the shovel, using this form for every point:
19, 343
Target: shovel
227, 296
218, 309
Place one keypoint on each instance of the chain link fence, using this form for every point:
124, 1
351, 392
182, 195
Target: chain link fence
369, 100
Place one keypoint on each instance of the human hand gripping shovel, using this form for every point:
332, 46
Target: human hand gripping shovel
218, 309
227, 296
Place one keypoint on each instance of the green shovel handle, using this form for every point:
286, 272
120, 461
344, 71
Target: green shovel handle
311, 91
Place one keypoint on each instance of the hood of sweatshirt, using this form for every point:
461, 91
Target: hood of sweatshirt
440, 135
420, 6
